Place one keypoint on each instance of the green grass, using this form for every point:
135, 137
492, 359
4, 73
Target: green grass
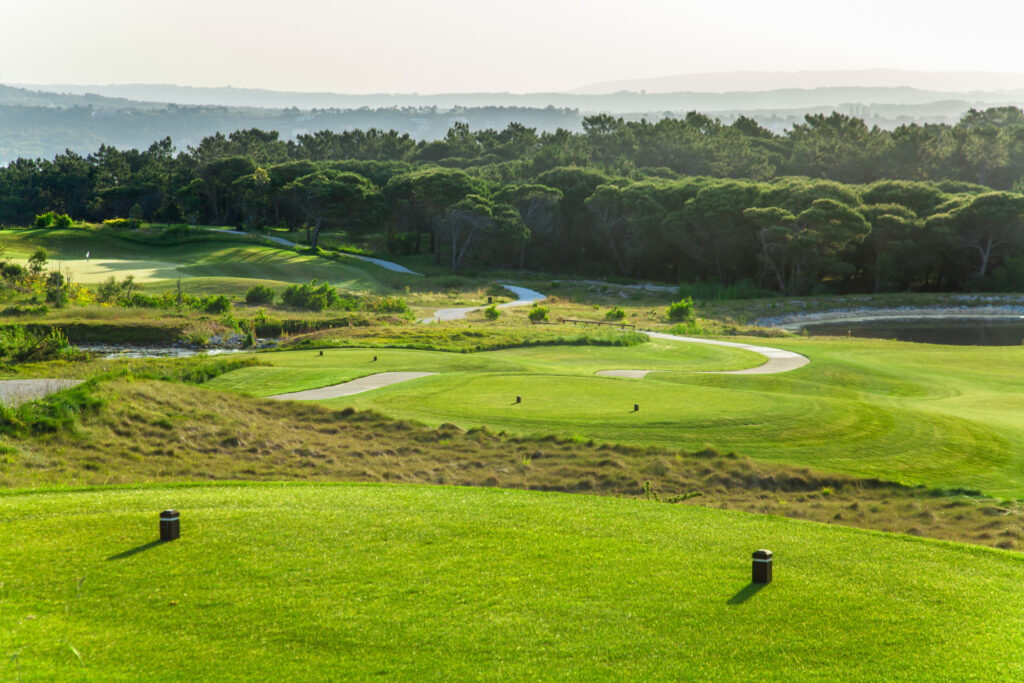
212, 265
300, 582
298, 370
940, 416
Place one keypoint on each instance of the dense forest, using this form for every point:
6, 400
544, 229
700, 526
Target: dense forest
832, 205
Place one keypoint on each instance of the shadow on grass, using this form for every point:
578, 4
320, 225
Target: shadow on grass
136, 549
745, 593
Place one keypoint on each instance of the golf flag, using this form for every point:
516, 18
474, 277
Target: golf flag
86, 257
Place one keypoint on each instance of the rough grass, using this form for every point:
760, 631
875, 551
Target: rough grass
147, 431
276, 582
462, 337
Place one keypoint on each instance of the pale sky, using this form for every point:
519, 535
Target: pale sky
431, 46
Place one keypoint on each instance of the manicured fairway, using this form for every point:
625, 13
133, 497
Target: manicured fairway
299, 370
279, 582
942, 416
215, 266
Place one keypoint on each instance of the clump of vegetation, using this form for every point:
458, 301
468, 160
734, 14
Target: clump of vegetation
123, 223
616, 313
311, 297
25, 310
264, 325
320, 297
492, 312
681, 311
538, 314
52, 219
259, 294
12, 272
18, 345
37, 261
217, 304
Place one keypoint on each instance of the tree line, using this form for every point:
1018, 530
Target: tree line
831, 206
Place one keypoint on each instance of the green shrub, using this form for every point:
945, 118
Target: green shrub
123, 223
37, 262
44, 220
385, 304
259, 294
266, 326
492, 312
12, 271
682, 310
312, 297
217, 304
615, 314
538, 314
61, 220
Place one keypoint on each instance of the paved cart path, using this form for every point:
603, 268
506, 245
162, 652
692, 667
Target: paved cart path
386, 265
526, 298
16, 391
356, 386
776, 360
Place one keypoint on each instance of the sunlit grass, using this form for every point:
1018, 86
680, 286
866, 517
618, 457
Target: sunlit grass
299, 582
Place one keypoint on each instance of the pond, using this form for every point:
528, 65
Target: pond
962, 332
112, 351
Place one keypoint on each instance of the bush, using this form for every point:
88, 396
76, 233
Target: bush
265, 326
682, 310
123, 223
312, 297
259, 294
61, 220
37, 262
385, 304
108, 290
538, 314
12, 271
492, 312
217, 304
615, 314
44, 220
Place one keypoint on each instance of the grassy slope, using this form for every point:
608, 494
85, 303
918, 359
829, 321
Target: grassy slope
209, 266
154, 431
943, 416
290, 582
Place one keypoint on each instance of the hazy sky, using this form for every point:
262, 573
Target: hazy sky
431, 46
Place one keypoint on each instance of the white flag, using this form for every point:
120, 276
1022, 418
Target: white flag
86, 257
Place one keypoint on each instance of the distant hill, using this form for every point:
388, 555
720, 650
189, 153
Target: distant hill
952, 81
41, 121
707, 100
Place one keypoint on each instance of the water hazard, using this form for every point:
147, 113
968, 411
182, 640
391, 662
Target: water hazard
1008, 332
